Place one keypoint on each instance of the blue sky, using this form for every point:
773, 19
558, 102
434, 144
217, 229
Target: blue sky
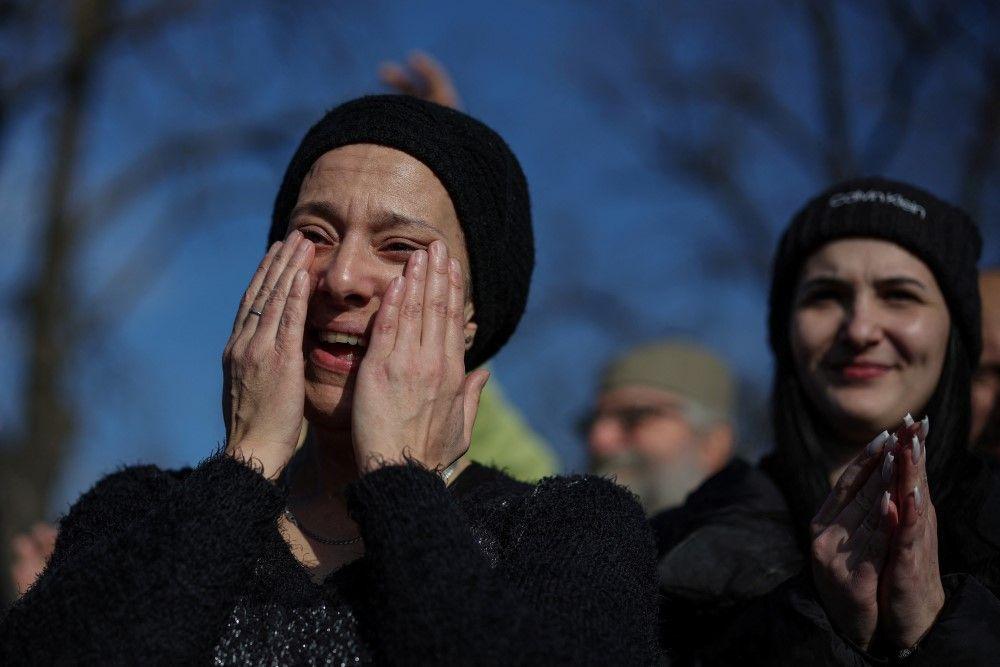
622, 243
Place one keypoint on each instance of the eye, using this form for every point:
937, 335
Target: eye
900, 296
820, 295
401, 247
314, 234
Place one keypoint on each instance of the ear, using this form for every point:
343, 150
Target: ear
470, 326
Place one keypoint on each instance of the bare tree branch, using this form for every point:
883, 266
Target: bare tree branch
186, 152
839, 160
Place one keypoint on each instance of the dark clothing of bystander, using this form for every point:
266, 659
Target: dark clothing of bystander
736, 587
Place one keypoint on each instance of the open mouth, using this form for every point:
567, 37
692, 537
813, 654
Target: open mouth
336, 351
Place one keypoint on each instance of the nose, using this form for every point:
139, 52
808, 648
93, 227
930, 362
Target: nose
347, 275
606, 437
862, 326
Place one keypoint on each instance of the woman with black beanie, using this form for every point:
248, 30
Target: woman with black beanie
870, 533
401, 257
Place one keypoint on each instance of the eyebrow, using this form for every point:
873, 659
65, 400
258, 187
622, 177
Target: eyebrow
891, 281
382, 220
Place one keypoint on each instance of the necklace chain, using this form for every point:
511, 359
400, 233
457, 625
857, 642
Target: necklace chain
337, 542
347, 541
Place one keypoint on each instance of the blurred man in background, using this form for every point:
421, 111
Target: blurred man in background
986, 382
662, 422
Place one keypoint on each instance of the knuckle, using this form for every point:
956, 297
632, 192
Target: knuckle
439, 307
411, 310
385, 327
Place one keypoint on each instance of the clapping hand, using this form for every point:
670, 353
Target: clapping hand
874, 548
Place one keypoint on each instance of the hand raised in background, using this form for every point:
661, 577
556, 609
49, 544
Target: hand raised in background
421, 76
31, 552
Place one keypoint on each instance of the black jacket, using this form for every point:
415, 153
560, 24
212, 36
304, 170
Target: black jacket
156, 567
736, 588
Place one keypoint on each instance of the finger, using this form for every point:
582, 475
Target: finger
274, 272
854, 476
45, 536
874, 539
912, 491
47, 544
394, 76
246, 303
438, 86
274, 308
411, 311
383, 334
22, 546
472, 390
291, 329
861, 503
455, 336
436, 287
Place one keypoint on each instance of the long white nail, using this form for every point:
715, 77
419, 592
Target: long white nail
884, 504
887, 467
918, 498
916, 449
874, 447
893, 441
908, 420
925, 427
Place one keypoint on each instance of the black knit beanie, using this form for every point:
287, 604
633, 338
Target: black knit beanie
482, 177
941, 235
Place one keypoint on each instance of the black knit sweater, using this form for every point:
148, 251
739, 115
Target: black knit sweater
154, 566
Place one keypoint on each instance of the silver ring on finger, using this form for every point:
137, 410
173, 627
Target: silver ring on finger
256, 312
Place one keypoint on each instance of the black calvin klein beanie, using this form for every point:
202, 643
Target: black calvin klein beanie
482, 177
943, 236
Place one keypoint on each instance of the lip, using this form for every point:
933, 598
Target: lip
860, 370
320, 356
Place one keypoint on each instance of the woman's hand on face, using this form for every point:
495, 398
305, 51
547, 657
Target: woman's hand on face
412, 398
264, 370
850, 539
910, 593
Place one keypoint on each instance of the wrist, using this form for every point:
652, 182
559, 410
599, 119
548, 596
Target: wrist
267, 459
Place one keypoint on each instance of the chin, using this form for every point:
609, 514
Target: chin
865, 413
328, 405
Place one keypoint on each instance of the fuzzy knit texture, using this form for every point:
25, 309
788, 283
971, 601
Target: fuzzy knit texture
183, 567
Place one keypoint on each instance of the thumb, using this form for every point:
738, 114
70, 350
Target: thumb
472, 389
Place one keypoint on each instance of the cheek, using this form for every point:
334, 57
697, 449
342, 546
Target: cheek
812, 333
923, 340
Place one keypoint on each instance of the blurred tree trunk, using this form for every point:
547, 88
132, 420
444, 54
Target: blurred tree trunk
32, 462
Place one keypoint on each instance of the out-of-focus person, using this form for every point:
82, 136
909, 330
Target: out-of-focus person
31, 551
986, 381
869, 534
662, 421
501, 437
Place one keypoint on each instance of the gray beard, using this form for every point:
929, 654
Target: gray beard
659, 485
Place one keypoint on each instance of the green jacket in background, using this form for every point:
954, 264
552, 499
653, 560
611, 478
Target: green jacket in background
502, 439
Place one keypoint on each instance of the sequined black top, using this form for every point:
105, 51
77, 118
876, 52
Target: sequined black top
184, 567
